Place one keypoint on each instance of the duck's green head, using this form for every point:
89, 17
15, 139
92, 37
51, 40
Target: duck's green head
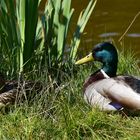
105, 53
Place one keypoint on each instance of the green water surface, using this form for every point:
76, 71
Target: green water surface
108, 22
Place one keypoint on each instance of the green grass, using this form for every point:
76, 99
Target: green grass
61, 113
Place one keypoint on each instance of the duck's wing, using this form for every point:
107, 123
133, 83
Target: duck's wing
118, 91
133, 82
95, 99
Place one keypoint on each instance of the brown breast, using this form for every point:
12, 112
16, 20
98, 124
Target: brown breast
93, 78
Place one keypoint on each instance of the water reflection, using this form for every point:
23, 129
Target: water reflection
109, 21
111, 34
133, 35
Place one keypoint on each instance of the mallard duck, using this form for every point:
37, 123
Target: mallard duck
13, 91
104, 88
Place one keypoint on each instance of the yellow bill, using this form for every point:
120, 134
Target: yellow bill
88, 58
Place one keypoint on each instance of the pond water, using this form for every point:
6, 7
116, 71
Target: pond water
109, 21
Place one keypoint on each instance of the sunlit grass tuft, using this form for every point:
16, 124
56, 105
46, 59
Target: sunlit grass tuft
128, 63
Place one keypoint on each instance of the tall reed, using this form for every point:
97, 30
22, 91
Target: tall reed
34, 33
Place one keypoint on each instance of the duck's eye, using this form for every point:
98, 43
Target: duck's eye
97, 49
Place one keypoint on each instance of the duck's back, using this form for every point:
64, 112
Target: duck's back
133, 82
